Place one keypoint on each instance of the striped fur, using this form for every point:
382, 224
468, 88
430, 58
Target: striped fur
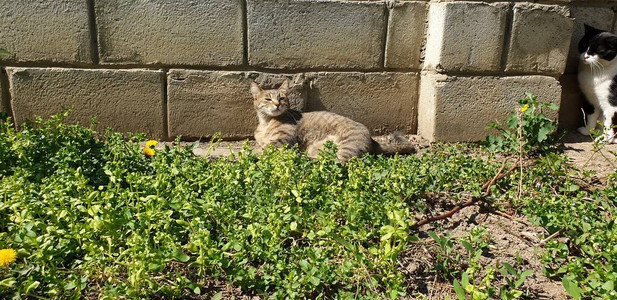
279, 126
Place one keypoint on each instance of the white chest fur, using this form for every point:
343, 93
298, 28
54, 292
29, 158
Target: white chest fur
595, 83
595, 87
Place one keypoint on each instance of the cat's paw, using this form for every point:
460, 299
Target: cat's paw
584, 131
606, 139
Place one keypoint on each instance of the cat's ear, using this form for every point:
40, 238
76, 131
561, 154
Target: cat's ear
255, 89
591, 31
284, 88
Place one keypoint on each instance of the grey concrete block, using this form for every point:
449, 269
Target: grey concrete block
540, 39
45, 31
465, 36
4, 95
125, 100
384, 102
406, 26
202, 103
456, 109
313, 34
572, 101
170, 32
598, 17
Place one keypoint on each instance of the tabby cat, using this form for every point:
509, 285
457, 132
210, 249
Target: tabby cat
279, 125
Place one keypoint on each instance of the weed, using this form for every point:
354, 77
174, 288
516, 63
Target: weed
528, 130
91, 216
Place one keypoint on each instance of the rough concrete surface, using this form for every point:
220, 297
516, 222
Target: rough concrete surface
314, 34
125, 100
540, 39
202, 103
453, 109
170, 32
45, 31
465, 36
406, 35
384, 102
598, 17
4, 99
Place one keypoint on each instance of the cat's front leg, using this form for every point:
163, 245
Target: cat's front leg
608, 132
609, 127
592, 122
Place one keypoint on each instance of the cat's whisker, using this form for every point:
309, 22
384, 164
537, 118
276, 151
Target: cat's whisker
598, 69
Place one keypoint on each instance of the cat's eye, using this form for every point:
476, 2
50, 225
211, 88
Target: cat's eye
282, 98
267, 99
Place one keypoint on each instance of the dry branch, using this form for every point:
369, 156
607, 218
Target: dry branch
487, 192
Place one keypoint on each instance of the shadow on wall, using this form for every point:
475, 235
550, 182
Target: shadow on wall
314, 102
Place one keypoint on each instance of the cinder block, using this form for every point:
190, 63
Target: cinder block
313, 34
540, 39
598, 17
384, 102
202, 103
4, 100
456, 109
465, 36
572, 101
125, 100
406, 35
204, 33
45, 31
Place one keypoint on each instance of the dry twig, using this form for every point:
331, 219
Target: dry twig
487, 192
550, 237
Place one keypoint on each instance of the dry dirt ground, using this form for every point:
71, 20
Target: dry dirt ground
510, 236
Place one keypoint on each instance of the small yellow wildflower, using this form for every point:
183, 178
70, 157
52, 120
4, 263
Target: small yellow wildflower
7, 256
149, 151
525, 108
151, 143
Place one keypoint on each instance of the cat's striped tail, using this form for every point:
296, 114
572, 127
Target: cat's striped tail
393, 144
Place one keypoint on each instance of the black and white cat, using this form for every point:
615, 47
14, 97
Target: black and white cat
597, 77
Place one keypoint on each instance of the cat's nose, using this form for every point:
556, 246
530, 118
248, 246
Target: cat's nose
587, 56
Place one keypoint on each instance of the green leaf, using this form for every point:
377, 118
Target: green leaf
465, 279
343, 242
509, 268
571, 288
32, 286
194, 145
293, 226
3, 52
217, 296
544, 131
197, 290
69, 286
314, 280
552, 106
608, 286
468, 246
460, 292
181, 257
522, 278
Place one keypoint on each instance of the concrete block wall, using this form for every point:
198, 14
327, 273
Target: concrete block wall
442, 69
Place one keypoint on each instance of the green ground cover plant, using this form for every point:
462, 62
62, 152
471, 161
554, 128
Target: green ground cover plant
92, 216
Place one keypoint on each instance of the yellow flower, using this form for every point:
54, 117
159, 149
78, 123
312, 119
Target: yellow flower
149, 151
151, 143
7, 256
525, 108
